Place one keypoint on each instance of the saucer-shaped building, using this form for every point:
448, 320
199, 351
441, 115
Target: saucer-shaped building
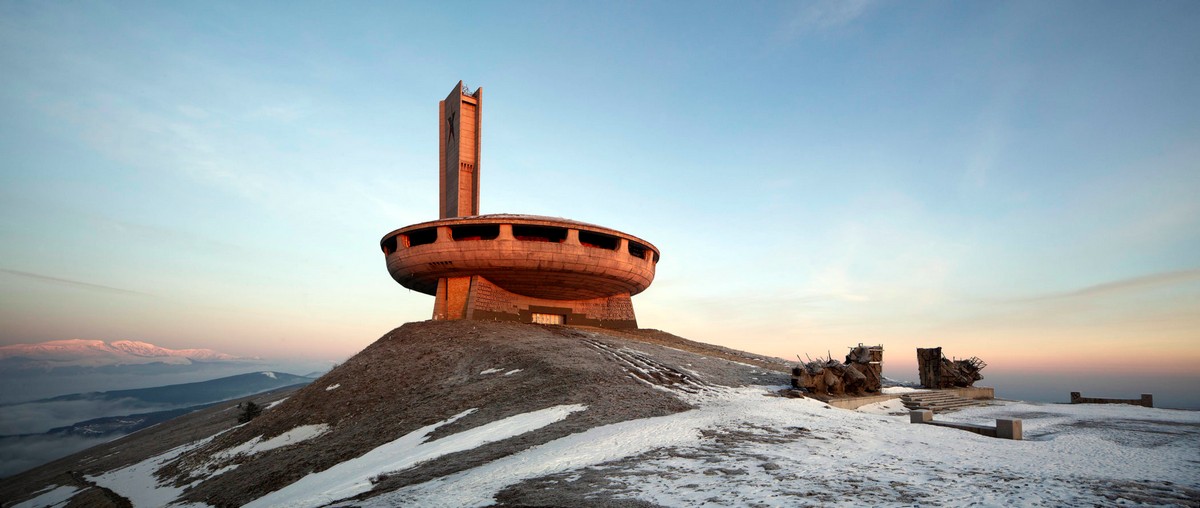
512, 267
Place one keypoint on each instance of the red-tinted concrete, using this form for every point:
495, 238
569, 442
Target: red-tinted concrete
459, 152
530, 266
512, 267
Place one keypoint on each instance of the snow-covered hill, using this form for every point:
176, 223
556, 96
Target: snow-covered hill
482, 414
97, 353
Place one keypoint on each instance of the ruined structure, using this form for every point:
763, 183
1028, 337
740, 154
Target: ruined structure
937, 371
862, 373
512, 267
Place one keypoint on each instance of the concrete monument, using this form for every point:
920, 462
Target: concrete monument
512, 267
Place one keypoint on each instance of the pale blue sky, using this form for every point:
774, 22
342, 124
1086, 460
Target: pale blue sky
1007, 179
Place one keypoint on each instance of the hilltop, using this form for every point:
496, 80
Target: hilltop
465, 413
427, 372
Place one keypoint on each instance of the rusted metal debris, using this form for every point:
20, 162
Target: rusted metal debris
937, 371
861, 373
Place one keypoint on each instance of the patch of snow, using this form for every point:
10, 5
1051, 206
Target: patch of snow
1072, 455
137, 482
48, 487
644, 368
892, 390
511, 372
654, 386
53, 497
353, 477
477, 487
270, 375
888, 407
257, 445
332, 387
221, 471
490, 371
276, 403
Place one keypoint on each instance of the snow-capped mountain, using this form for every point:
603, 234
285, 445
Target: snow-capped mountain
97, 353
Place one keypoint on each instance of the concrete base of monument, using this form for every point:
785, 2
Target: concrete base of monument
475, 297
855, 402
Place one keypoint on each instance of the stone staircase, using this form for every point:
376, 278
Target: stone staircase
938, 401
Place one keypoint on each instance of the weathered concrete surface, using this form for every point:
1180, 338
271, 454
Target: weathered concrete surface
566, 270
937, 371
1008, 429
522, 268
1147, 400
857, 402
973, 392
459, 123
938, 401
1004, 429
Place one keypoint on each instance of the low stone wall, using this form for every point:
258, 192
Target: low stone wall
1004, 429
857, 402
1147, 400
973, 392
976, 393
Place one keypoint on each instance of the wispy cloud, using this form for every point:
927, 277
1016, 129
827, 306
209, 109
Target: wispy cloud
825, 15
73, 283
285, 113
1120, 286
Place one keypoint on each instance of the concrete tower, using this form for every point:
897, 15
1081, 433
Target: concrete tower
459, 152
512, 267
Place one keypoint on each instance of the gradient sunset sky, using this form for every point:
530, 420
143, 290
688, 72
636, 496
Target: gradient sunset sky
1014, 180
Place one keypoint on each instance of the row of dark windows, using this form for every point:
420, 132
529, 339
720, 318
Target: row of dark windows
523, 232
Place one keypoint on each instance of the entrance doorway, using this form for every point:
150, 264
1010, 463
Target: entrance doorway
549, 319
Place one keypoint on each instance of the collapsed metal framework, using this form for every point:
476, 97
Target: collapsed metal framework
937, 371
861, 373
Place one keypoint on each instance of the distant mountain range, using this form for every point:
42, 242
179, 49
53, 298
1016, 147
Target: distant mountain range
38, 416
191, 393
37, 431
117, 425
40, 371
97, 353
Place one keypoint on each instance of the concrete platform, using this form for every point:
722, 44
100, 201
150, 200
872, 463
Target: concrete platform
857, 402
973, 393
1004, 429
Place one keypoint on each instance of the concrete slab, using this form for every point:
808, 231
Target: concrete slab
920, 416
1008, 429
857, 402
